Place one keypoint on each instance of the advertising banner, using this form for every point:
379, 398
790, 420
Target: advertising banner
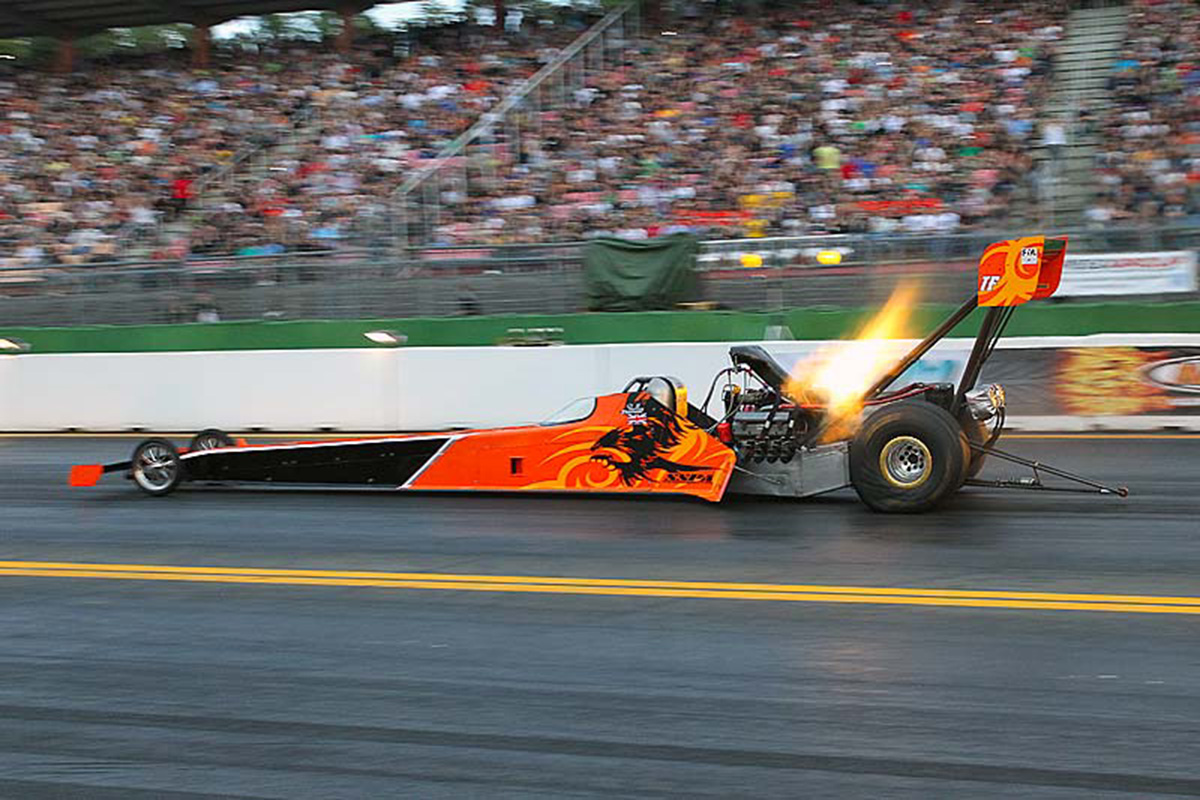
1128, 273
1099, 381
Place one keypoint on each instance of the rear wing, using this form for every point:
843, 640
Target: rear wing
1016, 271
1011, 273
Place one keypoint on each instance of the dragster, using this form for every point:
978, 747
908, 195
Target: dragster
908, 450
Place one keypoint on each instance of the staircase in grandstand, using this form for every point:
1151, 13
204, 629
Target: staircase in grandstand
1065, 181
417, 203
248, 165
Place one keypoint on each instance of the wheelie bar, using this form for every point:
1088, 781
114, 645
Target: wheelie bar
1035, 483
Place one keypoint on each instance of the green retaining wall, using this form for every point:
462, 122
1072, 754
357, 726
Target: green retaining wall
598, 328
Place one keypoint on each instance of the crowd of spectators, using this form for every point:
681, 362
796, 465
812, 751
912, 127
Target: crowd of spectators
373, 123
840, 117
1148, 162
87, 158
111, 160
834, 117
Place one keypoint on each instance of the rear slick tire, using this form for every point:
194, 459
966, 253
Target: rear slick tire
908, 458
977, 433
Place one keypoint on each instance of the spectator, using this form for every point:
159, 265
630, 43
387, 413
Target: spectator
1054, 137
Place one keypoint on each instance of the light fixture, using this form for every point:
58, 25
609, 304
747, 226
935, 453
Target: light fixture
386, 338
10, 345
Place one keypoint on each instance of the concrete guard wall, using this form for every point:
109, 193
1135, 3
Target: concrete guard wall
420, 388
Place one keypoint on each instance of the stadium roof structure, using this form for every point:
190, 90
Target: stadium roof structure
73, 18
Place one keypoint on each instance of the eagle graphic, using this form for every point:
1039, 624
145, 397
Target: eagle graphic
632, 451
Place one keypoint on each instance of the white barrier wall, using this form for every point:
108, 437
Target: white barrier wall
297, 389
379, 389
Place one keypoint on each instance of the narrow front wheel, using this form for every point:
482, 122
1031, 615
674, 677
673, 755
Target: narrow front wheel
210, 439
156, 467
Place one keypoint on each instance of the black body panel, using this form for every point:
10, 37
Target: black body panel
384, 462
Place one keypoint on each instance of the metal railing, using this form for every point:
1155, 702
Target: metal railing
220, 181
548, 278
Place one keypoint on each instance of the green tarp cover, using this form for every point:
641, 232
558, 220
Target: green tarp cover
623, 275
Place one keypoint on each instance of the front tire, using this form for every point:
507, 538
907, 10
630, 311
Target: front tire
908, 458
156, 467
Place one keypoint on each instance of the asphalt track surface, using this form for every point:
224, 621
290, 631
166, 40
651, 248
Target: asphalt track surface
138, 686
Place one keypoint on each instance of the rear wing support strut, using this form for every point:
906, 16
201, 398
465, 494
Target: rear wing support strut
990, 331
923, 347
1010, 273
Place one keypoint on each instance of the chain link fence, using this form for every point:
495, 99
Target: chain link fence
516, 279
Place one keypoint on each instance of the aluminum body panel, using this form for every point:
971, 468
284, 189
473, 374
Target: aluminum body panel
821, 469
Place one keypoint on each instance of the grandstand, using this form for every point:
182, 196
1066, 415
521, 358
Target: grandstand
1148, 159
865, 120
805, 119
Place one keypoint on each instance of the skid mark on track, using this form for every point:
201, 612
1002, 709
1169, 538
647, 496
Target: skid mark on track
700, 590
1142, 784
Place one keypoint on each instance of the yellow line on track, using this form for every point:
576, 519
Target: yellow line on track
1140, 604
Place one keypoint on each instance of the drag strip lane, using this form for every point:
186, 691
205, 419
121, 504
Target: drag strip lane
773, 759
706, 590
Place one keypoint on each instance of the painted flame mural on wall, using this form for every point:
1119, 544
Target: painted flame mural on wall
1095, 381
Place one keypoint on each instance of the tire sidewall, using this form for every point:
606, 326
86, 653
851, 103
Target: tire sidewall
976, 433
936, 429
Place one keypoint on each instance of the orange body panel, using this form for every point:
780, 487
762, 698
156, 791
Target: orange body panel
1008, 271
1016, 271
629, 443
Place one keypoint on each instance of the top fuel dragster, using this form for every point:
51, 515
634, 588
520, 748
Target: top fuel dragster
908, 449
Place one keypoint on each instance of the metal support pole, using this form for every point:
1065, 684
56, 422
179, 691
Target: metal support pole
466, 180
993, 325
437, 200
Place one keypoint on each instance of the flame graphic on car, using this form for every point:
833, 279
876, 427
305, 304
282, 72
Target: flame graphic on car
653, 446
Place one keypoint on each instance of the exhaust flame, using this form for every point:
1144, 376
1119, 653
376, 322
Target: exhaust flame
837, 376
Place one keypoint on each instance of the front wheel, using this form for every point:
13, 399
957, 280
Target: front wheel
210, 439
908, 457
156, 467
